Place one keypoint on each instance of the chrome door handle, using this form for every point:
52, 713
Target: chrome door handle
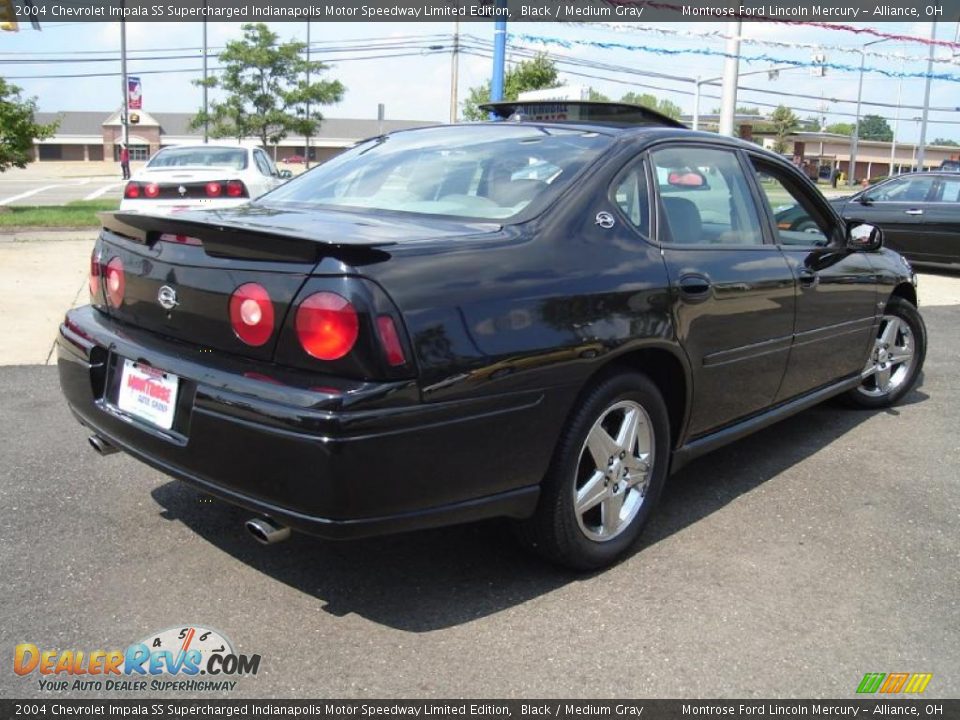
914, 212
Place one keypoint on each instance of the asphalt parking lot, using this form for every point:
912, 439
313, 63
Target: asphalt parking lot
26, 190
786, 565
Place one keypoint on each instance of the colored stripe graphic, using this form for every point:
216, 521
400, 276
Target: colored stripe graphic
894, 683
918, 682
871, 683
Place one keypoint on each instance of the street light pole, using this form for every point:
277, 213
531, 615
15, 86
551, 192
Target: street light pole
454, 72
306, 138
696, 104
206, 120
855, 137
896, 122
926, 99
123, 80
699, 82
731, 71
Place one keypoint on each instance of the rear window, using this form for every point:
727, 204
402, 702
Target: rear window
469, 171
235, 158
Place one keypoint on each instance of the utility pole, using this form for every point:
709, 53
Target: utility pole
206, 122
926, 100
306, 138
123, 81
454, 72
731, 71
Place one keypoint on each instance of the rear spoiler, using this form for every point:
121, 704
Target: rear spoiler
580, 111
141, 227
233, 238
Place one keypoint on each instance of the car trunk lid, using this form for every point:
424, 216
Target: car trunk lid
181, 271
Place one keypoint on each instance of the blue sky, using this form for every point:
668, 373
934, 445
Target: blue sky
418, 86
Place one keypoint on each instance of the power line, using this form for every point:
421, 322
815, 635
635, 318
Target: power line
630, 83
421, 53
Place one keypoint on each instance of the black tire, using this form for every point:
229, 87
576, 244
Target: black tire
556, 531
871, 393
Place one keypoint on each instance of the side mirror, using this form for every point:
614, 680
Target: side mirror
862, 236
865, 199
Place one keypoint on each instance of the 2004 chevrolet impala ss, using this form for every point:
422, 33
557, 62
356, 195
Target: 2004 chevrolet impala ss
528, 318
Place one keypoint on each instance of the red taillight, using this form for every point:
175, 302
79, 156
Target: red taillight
391, 341
251, 314
132, 190
327, 325
95, 277
115, 281
179, 239
152, 190
214, 189
236, 188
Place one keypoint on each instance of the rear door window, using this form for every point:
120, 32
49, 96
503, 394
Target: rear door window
916, 189
704, 198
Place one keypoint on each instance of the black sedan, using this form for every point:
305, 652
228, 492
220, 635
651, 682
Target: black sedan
919, 214
535, 318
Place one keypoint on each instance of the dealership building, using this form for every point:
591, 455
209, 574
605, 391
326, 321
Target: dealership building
93, 136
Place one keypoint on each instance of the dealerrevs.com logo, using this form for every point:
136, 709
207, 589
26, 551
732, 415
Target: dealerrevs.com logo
187, 659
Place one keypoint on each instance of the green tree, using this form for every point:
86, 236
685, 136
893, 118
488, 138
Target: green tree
874, 127
840, 128
811, 124
661, 105
265, 89
597, 96
947, 142
741, 110
18, 129
783, 122
536, 74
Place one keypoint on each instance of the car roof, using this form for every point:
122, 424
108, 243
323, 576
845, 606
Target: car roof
205, 146
918, 173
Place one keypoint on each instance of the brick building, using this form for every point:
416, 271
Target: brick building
91, 135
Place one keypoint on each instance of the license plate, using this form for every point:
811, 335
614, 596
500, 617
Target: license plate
148, 393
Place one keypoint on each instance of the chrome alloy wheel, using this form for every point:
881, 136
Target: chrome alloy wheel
613, 472
891, 359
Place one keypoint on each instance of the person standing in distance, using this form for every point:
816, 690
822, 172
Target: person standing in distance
125, 161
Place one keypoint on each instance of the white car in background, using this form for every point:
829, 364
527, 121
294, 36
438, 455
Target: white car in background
191, 177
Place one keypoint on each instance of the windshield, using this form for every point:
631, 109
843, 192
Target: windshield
235, 158
471, 171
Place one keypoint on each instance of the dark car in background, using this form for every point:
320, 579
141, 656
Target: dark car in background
534, 319
919, 214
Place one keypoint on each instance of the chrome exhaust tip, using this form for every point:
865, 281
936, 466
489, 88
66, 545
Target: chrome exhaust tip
102, 446
266, 531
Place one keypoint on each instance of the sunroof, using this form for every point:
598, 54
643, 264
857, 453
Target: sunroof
618, 114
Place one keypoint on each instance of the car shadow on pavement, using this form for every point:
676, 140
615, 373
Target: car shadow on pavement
433, 579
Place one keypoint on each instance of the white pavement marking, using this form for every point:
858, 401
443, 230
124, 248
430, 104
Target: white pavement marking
105, 189
28, 193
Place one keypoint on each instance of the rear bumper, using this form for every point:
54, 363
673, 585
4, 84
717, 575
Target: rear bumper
328, 457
